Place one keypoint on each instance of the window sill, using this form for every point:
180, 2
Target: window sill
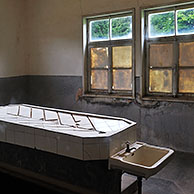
169, 99
107, 99
125, 100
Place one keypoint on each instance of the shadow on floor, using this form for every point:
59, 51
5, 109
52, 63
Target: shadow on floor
176, 178
10, 184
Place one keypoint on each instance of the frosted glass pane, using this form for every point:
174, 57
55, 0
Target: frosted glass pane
122, 27
185, 21
161, 55
99, 30
99, 57
186, 54
186, 81
122, 79
161, 24
122, 56
99, 79
160, 81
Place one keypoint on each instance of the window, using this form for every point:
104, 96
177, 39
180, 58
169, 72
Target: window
110, 48
170, 51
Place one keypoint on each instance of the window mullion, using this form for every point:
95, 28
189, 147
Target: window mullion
89, 69
110, 70
175, 69
110, 77
147, 67
110, 28
175, 59
175, 23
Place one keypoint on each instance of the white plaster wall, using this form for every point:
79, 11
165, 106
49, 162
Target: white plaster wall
55, 37
12, 51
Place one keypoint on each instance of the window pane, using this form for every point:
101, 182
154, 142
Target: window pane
161, 24
122, 79
99, 79
160, 81
186, 81
161, 55
185, 21
122, 56
122, 27
99, 30
99, 57
186, 54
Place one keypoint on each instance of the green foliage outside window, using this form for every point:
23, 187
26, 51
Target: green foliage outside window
121, 28
185, 21
100, 29
164, 23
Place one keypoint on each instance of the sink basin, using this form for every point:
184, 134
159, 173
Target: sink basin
144, 161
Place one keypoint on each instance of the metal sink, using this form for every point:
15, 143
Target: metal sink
143, 161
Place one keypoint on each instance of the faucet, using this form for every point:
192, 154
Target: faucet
128, 149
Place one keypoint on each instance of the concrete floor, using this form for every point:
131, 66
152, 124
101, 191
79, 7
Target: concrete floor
176, 178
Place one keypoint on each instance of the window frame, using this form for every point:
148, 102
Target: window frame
173, 39
110, 44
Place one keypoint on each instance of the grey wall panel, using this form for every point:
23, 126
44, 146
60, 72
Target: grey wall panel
13, 90
54, 91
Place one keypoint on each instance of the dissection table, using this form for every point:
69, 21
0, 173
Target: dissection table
68, 146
